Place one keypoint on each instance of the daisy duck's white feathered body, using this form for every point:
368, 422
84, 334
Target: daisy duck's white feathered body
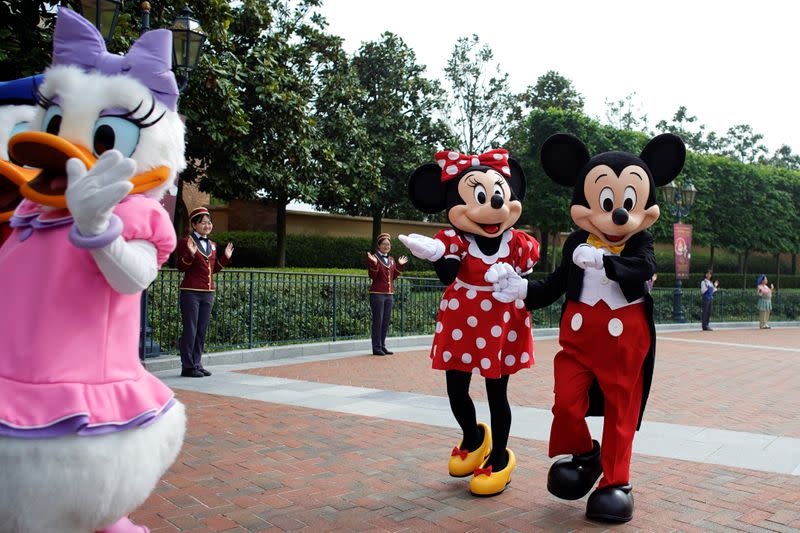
85, 431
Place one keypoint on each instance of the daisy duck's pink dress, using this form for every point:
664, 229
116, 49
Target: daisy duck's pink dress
69, 362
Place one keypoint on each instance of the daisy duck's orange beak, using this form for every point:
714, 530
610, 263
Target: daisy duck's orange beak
12, 177
50, 153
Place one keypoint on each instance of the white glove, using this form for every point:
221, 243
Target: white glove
92, 196
506, 283
587, 256
423, 247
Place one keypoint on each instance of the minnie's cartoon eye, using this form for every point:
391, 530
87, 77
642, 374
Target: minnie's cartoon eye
607, 199
498, 190
51, 123
115, 133
480, 194
629, 198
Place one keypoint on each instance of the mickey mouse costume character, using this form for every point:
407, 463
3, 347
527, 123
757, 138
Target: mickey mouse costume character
85, 430
607, 334
475, 332
16, 113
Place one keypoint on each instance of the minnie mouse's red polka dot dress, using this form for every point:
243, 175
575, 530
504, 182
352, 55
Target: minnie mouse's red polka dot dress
474, 332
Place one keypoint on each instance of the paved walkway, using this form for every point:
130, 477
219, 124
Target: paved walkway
350, 442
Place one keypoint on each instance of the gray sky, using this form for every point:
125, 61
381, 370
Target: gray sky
731, 62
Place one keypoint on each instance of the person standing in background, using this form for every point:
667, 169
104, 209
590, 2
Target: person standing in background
198, 260
764, 301
707, 290
383, 270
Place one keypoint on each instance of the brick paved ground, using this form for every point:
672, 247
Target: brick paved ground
712, 383
253, 466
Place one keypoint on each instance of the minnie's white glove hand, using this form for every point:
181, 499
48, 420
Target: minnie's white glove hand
587, 256
92, 196
506, 283
423, 247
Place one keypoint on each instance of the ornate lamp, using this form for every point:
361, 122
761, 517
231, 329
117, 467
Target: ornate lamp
187, 43
103, 14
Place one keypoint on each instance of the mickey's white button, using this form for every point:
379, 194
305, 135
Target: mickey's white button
577, 322
615, 327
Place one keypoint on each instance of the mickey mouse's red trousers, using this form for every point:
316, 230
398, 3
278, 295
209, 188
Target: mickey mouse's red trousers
610, 345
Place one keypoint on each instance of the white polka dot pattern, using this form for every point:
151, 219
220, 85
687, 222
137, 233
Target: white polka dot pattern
439, 327
443, 304
485, 363
466, 358
446, 356
486, 305
453, 304
472, 321
519, 304
512, 336
510, 360
506, 316
457, 334
480, 342
450, 233
576, 322
471, 294
497, 331
524, 357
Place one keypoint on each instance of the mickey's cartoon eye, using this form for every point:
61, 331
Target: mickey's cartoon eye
115, 133
498, 190
607, 199
629, 198
51, 123
480, 194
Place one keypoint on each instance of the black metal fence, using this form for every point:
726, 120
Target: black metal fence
257, 308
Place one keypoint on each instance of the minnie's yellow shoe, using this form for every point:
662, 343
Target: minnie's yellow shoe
462, 462
488, 483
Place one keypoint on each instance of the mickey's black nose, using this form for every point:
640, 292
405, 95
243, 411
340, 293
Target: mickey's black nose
619, 216
497, 201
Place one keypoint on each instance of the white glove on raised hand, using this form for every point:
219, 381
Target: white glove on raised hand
506, 283
423, 247
587, 256
92, 196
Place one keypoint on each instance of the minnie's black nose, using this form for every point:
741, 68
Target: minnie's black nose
619, 216
497, 201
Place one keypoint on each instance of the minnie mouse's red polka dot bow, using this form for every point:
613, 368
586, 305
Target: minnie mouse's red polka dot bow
453, 162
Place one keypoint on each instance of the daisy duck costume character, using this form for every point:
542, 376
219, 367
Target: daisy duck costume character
607, 335
16, 114
477, 333
85, 431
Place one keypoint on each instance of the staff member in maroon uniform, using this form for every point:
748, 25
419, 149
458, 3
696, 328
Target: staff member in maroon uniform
383, 270
198, 259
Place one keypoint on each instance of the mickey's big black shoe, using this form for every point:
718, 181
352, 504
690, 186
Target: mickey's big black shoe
611, 504
571, 479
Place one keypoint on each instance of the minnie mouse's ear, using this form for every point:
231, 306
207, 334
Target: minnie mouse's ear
563, 156
426, 190
664, 156
517, 179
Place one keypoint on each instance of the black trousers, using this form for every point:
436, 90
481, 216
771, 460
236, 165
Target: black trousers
196, 314
706, 312
381, 306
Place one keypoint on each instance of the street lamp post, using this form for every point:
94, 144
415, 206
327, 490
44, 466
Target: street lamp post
187, 44
102, 14
679, 200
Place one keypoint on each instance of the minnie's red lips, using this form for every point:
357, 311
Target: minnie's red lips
613, 238
490, 228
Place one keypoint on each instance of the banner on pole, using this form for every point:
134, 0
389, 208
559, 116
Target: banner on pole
683, 249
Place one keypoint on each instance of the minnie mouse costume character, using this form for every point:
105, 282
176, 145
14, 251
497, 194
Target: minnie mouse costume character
607, 334
476, 333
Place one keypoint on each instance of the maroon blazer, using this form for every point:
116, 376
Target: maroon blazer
383, 276
199, 268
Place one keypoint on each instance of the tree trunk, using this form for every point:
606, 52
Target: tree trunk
180, 216
544, 251
711, 259
778, 268
280, 230
744, 268
377, 216
794, 264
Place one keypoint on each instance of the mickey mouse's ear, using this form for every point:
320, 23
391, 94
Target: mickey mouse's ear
426, 190
563, 156
664, 155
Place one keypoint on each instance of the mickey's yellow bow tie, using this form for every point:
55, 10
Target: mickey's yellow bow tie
597, 243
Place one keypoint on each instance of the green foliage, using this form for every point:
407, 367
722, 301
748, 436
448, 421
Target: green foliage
552, 90
481, 98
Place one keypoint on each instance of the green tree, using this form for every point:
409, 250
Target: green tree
743, 144
687, 128
481, 99
625, 114
552, 90
783, 158
398, 107
26, 37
